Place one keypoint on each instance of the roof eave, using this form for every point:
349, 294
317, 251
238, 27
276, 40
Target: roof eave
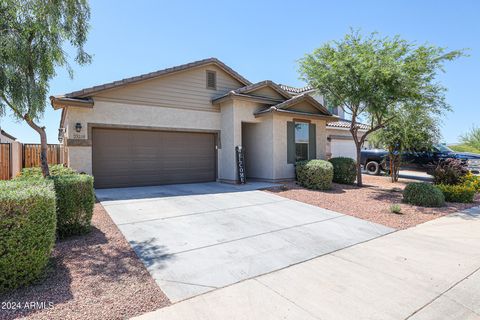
328, 118
233, 95
60, 102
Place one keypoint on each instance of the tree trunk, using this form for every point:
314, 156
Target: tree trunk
43, 145
359, 167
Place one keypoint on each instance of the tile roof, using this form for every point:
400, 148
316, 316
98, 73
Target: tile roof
88, 91
294, 90
346, 124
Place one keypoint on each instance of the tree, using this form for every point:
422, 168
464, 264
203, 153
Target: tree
412, 128
371, 76
32, 33
472, 138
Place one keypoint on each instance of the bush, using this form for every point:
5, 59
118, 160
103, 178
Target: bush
344, 170
449, 171
27, 231
472, 181
36, 172
396, 208
315, 174
457, 193
75, 201
423, 194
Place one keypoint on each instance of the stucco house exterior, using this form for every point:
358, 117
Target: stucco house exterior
183, 124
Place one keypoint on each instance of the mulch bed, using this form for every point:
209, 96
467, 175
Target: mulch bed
371, 202
97, 276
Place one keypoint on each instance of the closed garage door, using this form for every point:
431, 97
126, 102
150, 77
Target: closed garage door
124, 158
343, 148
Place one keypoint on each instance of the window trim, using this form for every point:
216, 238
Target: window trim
214, 73
307, 123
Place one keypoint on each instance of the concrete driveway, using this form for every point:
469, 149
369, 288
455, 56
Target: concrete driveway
194, 238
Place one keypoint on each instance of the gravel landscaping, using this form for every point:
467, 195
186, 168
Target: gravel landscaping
97, 276
371, 202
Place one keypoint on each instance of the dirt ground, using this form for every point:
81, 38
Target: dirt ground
371, 202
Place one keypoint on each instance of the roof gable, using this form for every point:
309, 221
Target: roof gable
157, 74
267, 89
304, 103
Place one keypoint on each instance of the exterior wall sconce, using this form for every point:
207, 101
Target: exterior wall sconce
78, 127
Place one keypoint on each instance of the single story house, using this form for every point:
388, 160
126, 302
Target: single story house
183, 124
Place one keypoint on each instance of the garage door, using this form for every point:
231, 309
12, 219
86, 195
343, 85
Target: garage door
343, 148
124, 158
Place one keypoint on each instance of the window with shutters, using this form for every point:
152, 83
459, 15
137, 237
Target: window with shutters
211, 80
301, 141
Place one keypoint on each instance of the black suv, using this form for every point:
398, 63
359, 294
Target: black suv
374, 161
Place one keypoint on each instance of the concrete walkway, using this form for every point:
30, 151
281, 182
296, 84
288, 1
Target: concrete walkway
427, 272
195, 238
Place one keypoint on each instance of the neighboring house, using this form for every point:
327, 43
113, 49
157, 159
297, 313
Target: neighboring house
5, 137
182, 125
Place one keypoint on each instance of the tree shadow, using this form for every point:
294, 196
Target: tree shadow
151, 254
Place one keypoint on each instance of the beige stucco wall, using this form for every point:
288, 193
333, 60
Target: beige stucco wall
233, 113
257, 139
282, 169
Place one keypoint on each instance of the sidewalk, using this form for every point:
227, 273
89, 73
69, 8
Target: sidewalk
427, 272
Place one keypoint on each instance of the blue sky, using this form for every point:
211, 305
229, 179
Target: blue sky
263, 40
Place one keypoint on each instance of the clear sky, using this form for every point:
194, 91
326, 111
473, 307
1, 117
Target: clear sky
263, 40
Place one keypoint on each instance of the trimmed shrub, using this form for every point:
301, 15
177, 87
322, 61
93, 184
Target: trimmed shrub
449, 171
344, 170
423, 194
458, 193
36, 172
27, 231
315, 174
75, 201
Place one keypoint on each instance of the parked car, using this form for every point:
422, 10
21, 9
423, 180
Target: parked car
375, 161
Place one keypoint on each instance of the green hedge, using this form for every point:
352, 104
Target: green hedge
458, 193
75, 198
344, 170
315, 174
75, 201
36, 172
27, 231
423, 194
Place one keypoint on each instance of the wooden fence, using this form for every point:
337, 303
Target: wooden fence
31, 155
5, 161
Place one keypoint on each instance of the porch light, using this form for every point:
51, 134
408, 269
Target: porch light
78, 127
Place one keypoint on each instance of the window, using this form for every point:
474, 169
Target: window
211, 80
301, 141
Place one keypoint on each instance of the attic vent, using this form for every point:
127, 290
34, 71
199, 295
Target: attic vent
211, 80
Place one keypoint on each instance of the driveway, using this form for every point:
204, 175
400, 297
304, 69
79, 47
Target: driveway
195, 238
